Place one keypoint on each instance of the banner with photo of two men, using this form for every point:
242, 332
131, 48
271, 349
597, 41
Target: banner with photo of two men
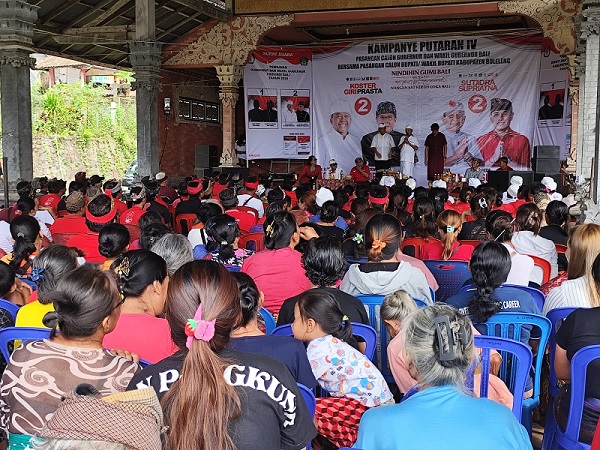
491, 96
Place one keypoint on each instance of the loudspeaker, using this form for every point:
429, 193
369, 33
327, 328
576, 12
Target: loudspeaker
558, 177
546, 158
243, 171
500, 179
206, 156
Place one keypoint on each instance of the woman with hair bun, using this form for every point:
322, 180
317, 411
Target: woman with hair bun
277, 270
528, 241
208, 396
141, 329
113, 240
88, 305
27, 237
383, 274
449, 225
223, 236
439, 350
500, 228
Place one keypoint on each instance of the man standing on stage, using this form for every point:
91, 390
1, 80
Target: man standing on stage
386, 114
339, 143
461, 146
435, 152
381, 146
408, 148
502, 140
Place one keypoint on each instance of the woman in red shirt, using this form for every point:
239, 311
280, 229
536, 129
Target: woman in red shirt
449, 223
311, 171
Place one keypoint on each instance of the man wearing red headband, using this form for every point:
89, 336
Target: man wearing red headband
193, 204
249, 198
99, 212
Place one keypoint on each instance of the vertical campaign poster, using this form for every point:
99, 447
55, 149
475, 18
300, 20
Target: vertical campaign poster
554, 105
277, 88
482, 91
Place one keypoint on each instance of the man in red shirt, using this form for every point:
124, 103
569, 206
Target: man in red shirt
132, 215
360, 173
73, 223
113, 189
229, 201
56, 189
165, 190
98, 213
502, 140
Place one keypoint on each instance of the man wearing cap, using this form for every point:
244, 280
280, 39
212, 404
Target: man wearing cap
249, 198
408, 147
302, 114
436, 147
475, 171
339, 143
73, 222
288, 115
461, 146
192, 204
334, 172
502, 140
98, 213
165, 190
138, 207
324, 195
113, 189
386, 115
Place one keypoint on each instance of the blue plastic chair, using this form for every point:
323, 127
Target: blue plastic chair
538, 296
556, 318
508, 325
450, 276
22, 334
503, 345
569, 438
10, 307
311, 403
358, 329
233, 268
143, 363
268, 319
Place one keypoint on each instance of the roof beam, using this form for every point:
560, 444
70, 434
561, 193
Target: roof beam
106, 14
106, 29
207, 8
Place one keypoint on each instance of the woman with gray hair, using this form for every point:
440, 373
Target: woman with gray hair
175, 249
439, 349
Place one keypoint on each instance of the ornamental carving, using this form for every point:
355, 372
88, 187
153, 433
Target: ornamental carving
228, 98
228, 42
555, 16
17, 61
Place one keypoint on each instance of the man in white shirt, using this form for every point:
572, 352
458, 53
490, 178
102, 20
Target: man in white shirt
408, 147
250, 198
339, 143
382, 145
288, 113
461, 146
334, 172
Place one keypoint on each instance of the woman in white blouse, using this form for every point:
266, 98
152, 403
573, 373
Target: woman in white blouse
579, 290
528, 242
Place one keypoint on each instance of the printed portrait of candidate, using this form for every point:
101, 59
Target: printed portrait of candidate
339, 143
462, 147
386, 114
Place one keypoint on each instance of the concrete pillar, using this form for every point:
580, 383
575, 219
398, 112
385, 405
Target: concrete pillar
229, 76
145, 58
589, 100
17, 18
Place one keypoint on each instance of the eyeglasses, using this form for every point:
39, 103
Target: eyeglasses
120, 303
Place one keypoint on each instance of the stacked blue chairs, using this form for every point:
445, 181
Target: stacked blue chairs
524, 358
508, 325
358, 329
22, 334
268, 319
569, 438
450, 276
538, 296
10, 307
556, 317
311, 403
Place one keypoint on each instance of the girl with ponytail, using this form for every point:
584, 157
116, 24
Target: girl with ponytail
383, 274
277, 270
424, 219
27, 237
449, 224
223, 236
490, 265
209, 393
319, 321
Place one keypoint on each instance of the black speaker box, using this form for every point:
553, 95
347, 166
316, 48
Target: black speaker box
546, 165
546, 152
500, 179
243, 171
206, 156
558, 177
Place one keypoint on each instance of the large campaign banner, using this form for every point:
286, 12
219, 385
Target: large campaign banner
277, 87
482, 91
554, 105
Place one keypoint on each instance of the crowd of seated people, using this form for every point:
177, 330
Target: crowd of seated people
159, 296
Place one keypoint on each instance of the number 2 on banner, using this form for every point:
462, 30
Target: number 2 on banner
362, 106
477, 103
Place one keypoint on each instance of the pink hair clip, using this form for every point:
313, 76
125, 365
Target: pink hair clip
198, 328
